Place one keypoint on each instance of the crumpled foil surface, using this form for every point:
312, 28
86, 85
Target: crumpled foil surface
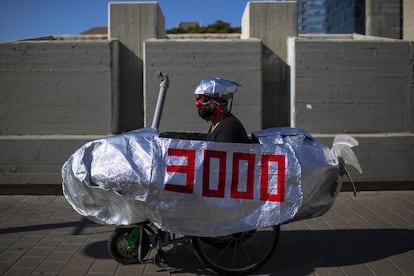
217, 86
201, 188
319, 169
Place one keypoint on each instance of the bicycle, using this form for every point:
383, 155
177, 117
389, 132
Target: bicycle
237, 253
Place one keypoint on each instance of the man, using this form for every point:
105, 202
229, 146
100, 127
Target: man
214, 99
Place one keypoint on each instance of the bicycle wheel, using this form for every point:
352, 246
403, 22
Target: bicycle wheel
117, 246
237, 253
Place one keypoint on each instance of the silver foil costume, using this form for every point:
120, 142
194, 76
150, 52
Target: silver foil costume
141, 176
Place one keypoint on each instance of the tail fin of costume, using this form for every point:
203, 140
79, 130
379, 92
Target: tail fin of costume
342, 146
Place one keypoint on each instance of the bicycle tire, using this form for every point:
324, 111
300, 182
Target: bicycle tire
238, 253
117, 249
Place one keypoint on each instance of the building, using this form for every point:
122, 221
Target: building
382, 18
345, 17
312, 16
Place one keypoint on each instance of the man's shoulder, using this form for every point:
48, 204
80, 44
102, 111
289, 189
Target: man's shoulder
231, 119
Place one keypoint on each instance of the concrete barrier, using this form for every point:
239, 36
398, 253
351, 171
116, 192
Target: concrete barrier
37, 160
56, 87
360, 86
55, 96
351, 85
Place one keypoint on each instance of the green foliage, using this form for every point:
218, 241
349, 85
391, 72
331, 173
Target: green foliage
218, 27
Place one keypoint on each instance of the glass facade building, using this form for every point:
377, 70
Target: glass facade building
312, 16
331, 16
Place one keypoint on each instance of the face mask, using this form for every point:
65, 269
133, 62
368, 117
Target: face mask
205, 112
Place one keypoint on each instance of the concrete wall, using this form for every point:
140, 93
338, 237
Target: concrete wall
49, 87
188, 62
132, 24
353, 86
54, 96
386, 159
36, 159
360, 86
272, 23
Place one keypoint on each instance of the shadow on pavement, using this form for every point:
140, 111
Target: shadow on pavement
299, 252
79, 226
302, 250
97, 249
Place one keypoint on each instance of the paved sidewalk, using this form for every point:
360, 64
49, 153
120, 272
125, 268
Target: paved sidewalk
371, 234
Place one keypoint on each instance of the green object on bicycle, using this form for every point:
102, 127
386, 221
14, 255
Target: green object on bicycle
131, 242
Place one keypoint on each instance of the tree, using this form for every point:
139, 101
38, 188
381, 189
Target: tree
218, 27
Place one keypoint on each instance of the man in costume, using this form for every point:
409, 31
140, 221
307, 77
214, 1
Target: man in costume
214, 99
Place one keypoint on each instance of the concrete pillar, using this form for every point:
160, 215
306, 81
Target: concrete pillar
273, 23
132, 24
383, 18
408, 20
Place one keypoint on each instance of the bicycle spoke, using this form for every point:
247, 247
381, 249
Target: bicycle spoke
237, 253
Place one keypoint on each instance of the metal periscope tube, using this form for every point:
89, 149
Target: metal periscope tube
161, 98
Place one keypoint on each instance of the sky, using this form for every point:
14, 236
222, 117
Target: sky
20, 19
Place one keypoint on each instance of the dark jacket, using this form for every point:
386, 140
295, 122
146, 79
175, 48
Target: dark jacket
230, 129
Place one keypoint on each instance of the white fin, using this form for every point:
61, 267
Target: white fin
342, 146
